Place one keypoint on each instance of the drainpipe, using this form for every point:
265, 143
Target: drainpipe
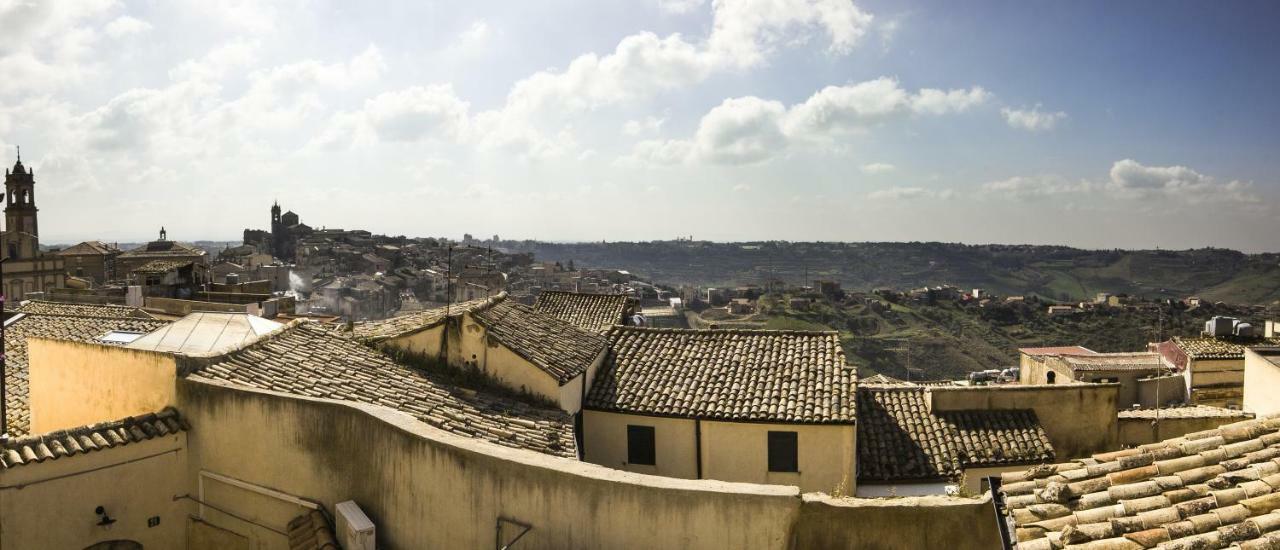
697, 442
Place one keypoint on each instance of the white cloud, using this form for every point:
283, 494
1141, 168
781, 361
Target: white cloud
1131, 180
679, 7
875, 168
126, 25
749, 129
416, 113
477, 32
741, 188
649, 125
1025, 187
909, 193
1032, 120
656, 152
741, 131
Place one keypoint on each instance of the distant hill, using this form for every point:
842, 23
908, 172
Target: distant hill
1051, 272
947, 339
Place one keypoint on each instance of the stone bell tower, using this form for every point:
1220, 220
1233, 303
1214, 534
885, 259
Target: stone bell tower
20, 199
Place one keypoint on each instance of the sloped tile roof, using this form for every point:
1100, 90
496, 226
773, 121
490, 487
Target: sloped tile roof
163, 249
882, 380
309, 360
82, 310
1213, 489
1138, 361
1206, 347
312, 531
735, 375
88, 248
900, 440
1187, 411
86, 439
594, 312
161, 266
409, 323
1058, 350
558, 347
62, 327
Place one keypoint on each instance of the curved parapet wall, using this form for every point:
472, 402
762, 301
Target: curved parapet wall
425, 488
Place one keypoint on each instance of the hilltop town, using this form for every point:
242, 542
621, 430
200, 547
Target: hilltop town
329, 388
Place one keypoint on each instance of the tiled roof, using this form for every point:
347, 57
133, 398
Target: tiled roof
1059, 350
161, 266
882, 380
1111, 361
1189, 411
900, 440
86, 439
401, 325
62, 327
162, 249
1206, 347
87, 248
1213, 489
736, 375
311, 531
559, 348
309, 360
594, 312
81, 310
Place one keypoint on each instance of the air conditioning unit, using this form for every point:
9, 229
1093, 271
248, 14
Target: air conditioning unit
354, 529
1219, 326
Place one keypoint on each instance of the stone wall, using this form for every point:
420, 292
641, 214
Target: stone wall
897, 524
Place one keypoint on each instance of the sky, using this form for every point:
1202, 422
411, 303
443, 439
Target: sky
1091, 124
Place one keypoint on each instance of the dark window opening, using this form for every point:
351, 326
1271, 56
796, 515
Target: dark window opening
640, 445
782, 452
1050, 377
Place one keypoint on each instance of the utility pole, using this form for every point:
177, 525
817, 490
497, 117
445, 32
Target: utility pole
448, 282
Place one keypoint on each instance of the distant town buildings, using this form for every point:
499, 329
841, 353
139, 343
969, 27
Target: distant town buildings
27, 268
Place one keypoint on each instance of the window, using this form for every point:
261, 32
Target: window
1050, 377
782, 452
640, 448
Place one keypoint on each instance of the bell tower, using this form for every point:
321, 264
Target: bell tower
20, 199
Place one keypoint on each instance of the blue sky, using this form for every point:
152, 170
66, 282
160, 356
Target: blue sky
1135, 125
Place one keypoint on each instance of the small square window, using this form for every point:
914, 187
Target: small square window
782, 452
640, 445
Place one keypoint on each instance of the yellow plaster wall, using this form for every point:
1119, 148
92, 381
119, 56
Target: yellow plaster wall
427, 342
675, 451
73, 384
51, 504
739, 451
911, 523
1261, 385
425, 488
1140, 431
1080, 419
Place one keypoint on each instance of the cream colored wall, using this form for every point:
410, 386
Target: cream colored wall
425, 488
896, 523
739, 451
1140, 431
1261, 385
426, 342
506, 366
73, 384
51, 504
675, 450
1080, 419
1158, 391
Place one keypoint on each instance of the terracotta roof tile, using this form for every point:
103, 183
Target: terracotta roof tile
1206, 347
559, 348
1058, 350
309, 360
900, 440
87, 439
1190, 411
62, 327
1214, 489
1138, 361
594, 312
82, 310
737, 375
409, 323
161, 266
